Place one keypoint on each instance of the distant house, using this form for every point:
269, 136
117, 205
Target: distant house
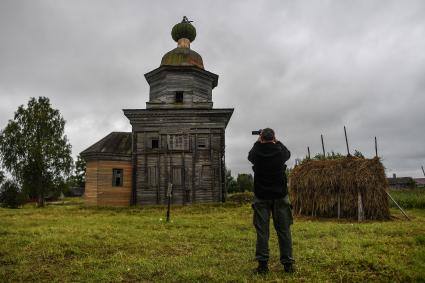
401, 182
420, 182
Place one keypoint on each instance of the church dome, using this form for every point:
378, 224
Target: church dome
183, 33
182, 57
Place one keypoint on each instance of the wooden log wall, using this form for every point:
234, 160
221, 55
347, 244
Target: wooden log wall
99, 189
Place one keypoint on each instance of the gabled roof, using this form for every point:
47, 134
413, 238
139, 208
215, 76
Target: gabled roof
400, 181
115, 146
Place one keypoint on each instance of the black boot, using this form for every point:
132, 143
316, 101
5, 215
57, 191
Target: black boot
262, 267
288, 267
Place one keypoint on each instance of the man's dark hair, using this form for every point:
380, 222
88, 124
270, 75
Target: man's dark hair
267, 134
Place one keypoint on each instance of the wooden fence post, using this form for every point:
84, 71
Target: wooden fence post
339, 203
376, 148
346, 142
360, 207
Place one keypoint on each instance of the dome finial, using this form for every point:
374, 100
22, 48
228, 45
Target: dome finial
186, 20
184, 33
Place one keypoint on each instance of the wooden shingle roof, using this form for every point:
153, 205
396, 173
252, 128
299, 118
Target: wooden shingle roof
115, 146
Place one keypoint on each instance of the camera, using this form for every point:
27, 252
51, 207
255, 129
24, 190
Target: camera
256, 133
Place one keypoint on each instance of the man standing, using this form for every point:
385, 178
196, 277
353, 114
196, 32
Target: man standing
268, 156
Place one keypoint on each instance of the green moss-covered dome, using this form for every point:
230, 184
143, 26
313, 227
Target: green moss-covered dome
183, 30
182, 57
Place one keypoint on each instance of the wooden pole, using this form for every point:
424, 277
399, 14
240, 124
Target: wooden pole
323, 146
346, 141
339, 204
423, 170
399, 207
376, 148
308, 151
360, 207
169, 192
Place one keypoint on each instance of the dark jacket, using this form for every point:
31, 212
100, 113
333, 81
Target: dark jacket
269, 169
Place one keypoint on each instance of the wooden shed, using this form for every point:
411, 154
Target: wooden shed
109, 171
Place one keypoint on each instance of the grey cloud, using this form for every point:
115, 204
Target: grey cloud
303, 68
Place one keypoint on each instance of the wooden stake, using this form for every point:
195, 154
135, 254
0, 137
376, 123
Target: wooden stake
360, 207
308, 151
169, 193
339, 204
346, 142
376, 148
323, 146
399, 207
423, 170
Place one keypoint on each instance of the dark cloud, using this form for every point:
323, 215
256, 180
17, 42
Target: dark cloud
304, 68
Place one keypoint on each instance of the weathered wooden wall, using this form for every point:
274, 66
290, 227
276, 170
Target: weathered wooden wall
99, 189
194, 172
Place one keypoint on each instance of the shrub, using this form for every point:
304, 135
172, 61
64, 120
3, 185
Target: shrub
241, 198
408, 198
11, 195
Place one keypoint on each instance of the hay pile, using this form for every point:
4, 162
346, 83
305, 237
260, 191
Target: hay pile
316, 184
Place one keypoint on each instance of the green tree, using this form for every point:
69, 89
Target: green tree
231, 183
245, 183
358, 154
11, 195
78, 178
35, 150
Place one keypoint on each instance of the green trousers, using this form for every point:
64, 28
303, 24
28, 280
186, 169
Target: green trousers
282, 219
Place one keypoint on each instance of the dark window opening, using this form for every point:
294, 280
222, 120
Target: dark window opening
179, 96
202, 143
117, 177
155, 143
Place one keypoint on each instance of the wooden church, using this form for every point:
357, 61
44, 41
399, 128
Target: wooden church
177, 142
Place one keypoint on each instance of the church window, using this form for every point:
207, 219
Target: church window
178, 142
179, 96
155, 143
202, 143
117, 177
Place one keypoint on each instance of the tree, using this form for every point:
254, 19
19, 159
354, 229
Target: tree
231, 184
35, 150
78, 179
358, 154
11, 195
245, 183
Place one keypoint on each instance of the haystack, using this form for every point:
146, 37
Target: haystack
324, 187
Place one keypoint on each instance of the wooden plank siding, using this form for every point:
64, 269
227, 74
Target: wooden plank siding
99, 189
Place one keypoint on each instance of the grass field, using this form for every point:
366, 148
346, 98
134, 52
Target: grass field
204, 243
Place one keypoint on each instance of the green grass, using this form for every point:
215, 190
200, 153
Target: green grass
409, 198
203, 243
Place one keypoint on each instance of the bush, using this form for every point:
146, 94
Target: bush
241, 198
408, 198
11, 195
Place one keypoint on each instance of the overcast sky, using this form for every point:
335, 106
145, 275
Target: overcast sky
304, 68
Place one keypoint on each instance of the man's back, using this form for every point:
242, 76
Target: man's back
269, 169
